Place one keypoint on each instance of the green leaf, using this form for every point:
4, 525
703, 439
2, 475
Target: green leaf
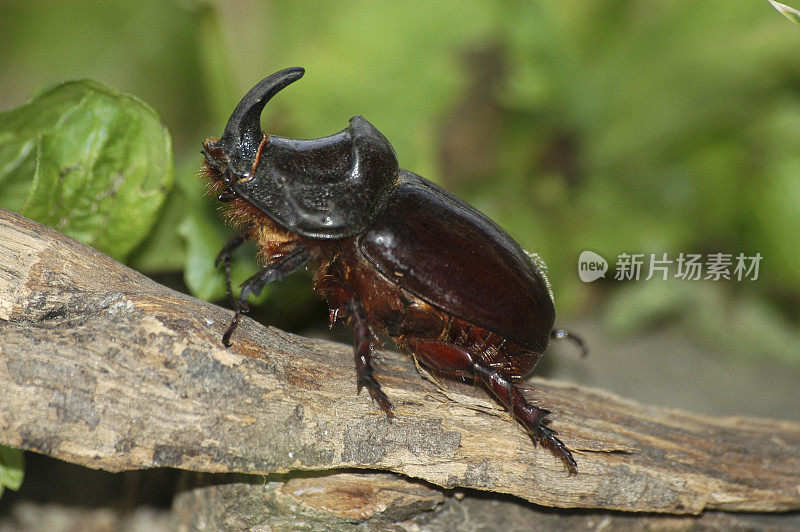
203, 241
11, 468
788, 12
89, 161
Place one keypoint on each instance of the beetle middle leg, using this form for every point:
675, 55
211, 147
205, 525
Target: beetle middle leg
287, 264
364, 340
224, 257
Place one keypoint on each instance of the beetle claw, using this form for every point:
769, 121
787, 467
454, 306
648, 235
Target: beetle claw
365, 378
374, 389
547, 437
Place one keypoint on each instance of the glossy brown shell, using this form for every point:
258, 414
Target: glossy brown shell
443, 251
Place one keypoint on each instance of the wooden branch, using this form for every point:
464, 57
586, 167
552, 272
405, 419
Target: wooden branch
103, 367
326, 502
386, 502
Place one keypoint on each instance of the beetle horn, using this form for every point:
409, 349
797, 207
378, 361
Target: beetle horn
243, 133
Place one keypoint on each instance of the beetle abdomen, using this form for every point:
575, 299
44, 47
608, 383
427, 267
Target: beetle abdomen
446, 253
417, 326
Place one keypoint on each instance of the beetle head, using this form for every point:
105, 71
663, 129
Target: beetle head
232, 156
329, 187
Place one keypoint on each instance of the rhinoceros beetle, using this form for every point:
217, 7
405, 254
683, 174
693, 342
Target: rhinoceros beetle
392, 253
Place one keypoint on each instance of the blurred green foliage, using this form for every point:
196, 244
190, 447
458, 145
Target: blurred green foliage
11, 468
615, 126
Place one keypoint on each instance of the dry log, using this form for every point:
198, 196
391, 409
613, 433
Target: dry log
327, 502
103, 367
382, 502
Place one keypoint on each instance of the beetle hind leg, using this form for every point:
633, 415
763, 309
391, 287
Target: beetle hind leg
532, 417
452, 359
364, 340
563, 334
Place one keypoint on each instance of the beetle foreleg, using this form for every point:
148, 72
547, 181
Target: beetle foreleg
364, 339
289, 263
529, 415
224, 256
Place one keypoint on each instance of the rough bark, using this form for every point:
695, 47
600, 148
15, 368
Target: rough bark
328, 502
346, 501
103, 367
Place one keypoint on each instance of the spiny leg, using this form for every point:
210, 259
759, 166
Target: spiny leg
456, 360
529, 415
364, 340
287, 264
563, 334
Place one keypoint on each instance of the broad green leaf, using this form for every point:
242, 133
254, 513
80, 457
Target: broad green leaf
788, 12
11, 468
89, 161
